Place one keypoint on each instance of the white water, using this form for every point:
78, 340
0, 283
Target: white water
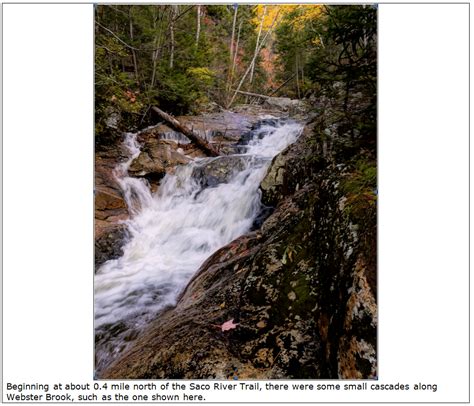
175, 230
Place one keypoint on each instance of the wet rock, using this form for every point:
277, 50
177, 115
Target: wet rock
268, 122
283, 103
286, 104
292, 168
110, 207
108, 245
157, 157
108, 203
273, 182
219, 170
245, 139
265, 211
253, 134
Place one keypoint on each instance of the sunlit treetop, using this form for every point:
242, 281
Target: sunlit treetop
274, 13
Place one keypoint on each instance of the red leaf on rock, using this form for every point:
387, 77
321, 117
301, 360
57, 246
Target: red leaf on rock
229, 325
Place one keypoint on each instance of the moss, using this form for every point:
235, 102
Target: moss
360, 189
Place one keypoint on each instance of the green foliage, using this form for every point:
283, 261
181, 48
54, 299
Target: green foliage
293, 45
176, 93
363, 177
202, 75
218, 13
134, 48
337, 53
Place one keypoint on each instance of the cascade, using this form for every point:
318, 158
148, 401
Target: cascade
173, 231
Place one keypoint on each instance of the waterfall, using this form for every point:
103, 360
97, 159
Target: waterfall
196, 210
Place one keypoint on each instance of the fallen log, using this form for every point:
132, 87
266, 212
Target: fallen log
201, 143
262, 96
283, 84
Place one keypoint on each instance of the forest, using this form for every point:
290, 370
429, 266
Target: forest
186, 58
236, 191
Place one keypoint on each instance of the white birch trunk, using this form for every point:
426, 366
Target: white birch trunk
232, 37
198, 28
134, 56
174, 9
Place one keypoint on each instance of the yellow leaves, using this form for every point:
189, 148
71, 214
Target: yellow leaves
269, 13
203, 75
316, 41
308, 13
304, 13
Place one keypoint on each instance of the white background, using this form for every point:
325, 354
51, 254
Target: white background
423, 199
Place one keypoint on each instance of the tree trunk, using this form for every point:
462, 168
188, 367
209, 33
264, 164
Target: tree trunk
173, 16
235, 56
283, 84
233, 35
262, 96
201, 143
134, 56
198, 28
257, 43
156, 52
297, 76
322, 42
231, 54
365, 34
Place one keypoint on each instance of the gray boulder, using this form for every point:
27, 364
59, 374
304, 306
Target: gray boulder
286, 104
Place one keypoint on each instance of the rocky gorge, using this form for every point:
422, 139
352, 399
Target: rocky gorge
297, 291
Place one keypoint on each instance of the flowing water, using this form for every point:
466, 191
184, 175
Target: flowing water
200, 208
